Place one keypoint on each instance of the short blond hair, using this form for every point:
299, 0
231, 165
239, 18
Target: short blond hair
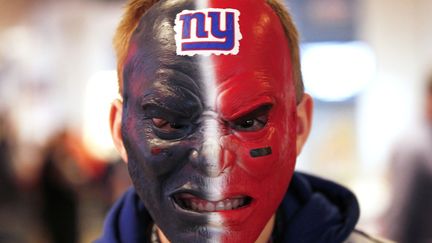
135, 9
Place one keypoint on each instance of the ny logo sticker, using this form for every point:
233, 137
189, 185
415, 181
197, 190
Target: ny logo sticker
207, 31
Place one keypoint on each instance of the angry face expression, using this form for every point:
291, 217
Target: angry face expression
210, 137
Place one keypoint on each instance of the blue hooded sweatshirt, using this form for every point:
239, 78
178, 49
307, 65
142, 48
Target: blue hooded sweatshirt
313, 210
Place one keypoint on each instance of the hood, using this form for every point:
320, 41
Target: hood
313, 210
127, 221
316, 210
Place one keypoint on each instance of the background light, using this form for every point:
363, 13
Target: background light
334, 71
101, 90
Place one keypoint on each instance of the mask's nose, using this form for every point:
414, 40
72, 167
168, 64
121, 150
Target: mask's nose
212, 157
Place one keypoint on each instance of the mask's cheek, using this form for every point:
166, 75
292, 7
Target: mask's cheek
154, 156
260, 168
264, 156
151, 162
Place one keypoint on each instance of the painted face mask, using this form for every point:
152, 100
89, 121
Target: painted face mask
209, 117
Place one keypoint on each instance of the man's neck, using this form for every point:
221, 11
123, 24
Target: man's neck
264, 237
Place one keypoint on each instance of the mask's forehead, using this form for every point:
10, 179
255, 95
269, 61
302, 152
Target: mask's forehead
152, 60
262, 67
261, 50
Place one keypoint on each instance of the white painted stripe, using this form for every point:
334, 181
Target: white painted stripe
211, 148
200, 4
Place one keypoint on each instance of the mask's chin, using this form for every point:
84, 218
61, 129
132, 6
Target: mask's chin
192, 215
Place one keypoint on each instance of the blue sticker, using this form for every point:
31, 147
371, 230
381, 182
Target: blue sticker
208, 31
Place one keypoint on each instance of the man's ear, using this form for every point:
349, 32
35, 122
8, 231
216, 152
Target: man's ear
304, 120
115, 125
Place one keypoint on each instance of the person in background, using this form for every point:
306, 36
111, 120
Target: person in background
9, 197
7, 140
409, 219
58, 181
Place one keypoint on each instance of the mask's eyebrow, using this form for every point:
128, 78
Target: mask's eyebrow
155, 109
259, 111
250, 107
181, 103
178, 75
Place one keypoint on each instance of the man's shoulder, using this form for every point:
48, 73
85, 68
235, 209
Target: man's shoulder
358, 236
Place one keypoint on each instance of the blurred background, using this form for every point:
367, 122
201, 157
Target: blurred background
365, 62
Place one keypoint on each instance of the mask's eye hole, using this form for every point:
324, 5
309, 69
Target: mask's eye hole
165, 125
253, 121
170, 130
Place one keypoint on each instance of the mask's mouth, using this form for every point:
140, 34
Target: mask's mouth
193, 203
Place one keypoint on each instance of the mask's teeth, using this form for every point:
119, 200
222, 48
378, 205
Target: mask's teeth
210, 207
228, 204
236, 203
220, 206
200, 205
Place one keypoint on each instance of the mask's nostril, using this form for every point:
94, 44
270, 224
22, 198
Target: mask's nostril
193, 155
206, 164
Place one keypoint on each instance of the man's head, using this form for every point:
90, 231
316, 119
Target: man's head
213, 113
